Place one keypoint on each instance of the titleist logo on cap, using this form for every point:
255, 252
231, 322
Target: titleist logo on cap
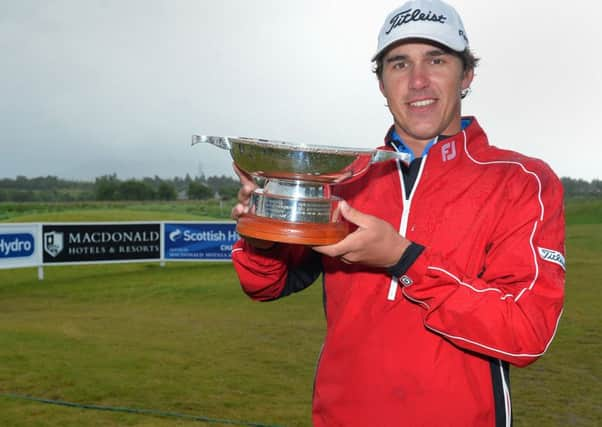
411, 15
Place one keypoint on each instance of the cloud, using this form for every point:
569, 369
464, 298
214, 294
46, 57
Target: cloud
96, 87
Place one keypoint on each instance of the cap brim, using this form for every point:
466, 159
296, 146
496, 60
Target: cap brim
418, 37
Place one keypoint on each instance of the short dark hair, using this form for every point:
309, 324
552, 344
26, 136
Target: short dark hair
468, 58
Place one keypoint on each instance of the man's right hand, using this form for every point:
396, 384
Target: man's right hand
244, 194
244, 205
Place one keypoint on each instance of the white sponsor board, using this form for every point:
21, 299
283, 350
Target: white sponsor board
39, 245
19, 245
198, 241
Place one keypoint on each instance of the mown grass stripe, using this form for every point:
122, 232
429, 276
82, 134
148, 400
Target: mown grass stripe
152, 412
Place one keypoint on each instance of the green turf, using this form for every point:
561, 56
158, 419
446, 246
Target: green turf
564, 388
183, 338
584, 211
115, 211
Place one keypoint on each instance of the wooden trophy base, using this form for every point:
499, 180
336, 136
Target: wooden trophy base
302, 233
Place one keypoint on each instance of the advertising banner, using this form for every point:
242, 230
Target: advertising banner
199, 240
114, 242
19, 245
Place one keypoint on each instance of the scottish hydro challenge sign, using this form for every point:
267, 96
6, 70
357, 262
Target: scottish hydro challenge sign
201, 241
114, 242
18, 246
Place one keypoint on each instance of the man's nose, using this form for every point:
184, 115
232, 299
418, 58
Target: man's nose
419, 77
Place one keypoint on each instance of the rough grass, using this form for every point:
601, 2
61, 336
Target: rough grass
115, 211
584, 211
184, 339
564, 387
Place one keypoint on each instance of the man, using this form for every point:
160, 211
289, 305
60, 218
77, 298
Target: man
455, 268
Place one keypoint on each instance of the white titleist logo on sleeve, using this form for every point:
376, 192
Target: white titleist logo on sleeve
552, 256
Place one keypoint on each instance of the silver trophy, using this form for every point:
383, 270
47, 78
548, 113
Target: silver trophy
294, 203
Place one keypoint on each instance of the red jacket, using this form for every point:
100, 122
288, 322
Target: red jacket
433, 349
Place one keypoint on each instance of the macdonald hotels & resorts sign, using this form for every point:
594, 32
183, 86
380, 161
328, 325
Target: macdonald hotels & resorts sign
108, 242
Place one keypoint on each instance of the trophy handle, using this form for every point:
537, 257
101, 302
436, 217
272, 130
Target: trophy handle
384, 155
219, 141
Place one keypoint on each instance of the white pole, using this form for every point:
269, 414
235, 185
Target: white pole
162, 244
40, 249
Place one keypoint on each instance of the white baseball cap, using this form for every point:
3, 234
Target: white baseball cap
423, 19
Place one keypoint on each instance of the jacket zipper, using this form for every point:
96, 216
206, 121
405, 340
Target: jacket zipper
403, 226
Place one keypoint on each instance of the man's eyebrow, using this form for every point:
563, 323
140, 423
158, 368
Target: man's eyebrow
436, 52
430, 54
396, 58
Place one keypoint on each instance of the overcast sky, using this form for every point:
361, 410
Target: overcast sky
94, 87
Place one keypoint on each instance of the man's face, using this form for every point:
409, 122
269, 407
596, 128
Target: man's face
423, 84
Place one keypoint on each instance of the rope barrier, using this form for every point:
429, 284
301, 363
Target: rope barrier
151, 412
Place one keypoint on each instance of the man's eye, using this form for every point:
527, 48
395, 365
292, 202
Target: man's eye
399, 65
437, 61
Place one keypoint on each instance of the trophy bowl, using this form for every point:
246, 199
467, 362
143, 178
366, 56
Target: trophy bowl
295, 204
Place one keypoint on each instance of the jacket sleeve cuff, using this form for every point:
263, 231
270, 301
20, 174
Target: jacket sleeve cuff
263, 257
408, 258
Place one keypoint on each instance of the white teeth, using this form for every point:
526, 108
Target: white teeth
423, 103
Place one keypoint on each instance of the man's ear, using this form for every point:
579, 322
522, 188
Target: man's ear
468, 75
381, 86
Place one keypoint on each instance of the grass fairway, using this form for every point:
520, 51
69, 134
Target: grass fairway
184, 339
564, 387
115, 211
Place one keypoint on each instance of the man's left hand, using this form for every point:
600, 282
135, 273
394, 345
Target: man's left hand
375, 243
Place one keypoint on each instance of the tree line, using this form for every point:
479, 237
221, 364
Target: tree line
111, 188
582, 188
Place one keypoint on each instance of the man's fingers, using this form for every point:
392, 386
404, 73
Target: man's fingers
338, 249
238, 211
238, 171
329, 250
353, 215
244, 194
247, 185
242, 175
345, 260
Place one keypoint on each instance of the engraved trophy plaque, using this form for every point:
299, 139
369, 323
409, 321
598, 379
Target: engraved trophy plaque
295, 203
